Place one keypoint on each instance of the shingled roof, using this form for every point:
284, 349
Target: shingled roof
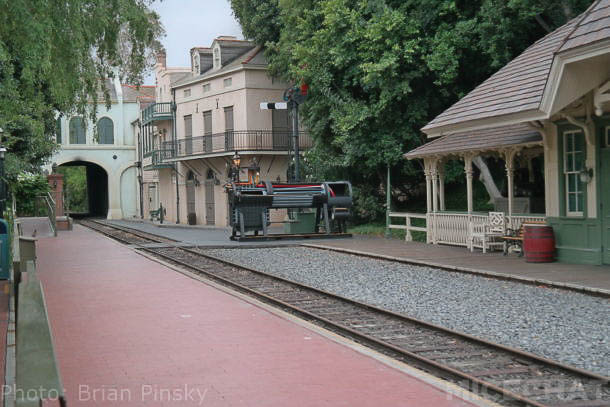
480, 140
519, 86
593, 26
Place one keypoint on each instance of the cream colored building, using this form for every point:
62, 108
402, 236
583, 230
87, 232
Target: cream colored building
202, 116
107, 149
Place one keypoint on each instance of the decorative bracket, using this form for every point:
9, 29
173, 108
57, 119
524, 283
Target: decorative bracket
601, 95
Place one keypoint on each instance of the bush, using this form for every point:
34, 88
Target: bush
26, 189
367, 207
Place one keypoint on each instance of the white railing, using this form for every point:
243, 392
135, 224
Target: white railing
407, 226
457, 228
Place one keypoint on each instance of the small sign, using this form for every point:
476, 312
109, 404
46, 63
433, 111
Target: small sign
273, 106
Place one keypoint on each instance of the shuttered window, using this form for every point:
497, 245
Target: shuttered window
105, 131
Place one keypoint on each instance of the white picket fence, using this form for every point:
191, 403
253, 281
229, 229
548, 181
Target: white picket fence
407, 226
454, 228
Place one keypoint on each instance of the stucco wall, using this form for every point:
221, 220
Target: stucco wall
123, 196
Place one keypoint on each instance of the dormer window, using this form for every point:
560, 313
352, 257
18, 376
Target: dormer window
216, 58
196, 64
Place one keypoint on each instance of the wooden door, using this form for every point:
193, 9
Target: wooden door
188, 135
190, 193
207, 131
153, 197
210, 216
229, 129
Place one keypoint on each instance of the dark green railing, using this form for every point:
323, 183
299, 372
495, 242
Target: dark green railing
159, 111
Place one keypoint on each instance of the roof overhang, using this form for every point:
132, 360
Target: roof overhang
479, 141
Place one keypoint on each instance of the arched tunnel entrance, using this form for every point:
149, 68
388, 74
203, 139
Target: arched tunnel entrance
86, 186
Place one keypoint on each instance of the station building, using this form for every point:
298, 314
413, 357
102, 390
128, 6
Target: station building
107, 148
203, 115
551, 103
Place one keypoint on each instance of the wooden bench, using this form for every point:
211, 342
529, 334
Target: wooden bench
158, 214
514, 238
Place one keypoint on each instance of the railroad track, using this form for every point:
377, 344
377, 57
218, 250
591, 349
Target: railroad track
505, 375
123, 234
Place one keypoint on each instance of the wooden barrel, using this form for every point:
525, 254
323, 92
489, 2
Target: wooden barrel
538, 243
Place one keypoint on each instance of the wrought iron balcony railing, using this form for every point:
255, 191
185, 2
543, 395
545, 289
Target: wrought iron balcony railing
155, 159
248, 140
157, 111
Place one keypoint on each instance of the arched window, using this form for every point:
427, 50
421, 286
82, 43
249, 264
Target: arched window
77, 131
58, 130
105, 130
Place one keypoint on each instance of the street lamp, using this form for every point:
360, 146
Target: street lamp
2, 182
236, 160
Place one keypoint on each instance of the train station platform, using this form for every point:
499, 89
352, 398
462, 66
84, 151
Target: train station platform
131, 331
595, 279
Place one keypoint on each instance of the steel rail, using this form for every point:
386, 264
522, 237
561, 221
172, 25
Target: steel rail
140, 234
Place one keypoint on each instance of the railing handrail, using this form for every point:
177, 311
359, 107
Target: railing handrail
408, 214
236, 140
408, 227
50, 204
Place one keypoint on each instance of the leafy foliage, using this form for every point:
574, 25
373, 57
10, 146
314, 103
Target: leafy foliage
379, 70
75, 187
52, 57
26, 190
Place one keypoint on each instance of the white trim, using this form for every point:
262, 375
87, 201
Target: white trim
96, 147
566, 174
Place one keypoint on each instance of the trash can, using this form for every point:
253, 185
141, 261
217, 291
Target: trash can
538, 243
4, 251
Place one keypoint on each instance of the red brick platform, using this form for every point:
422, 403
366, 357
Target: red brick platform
129, 331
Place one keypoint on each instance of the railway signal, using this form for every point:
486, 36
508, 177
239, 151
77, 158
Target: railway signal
293, 97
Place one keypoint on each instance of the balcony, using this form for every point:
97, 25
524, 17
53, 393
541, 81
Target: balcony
228, 142
157, 111
154, 160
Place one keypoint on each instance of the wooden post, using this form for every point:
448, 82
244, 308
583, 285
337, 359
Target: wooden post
441, 185
434, 174
468, 171
408, 236
509, 157
388, 205
428, 175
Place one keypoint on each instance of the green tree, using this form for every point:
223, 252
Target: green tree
75, 186
379, 70
52, 56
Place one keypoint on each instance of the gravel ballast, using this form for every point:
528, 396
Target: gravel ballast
566, 326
